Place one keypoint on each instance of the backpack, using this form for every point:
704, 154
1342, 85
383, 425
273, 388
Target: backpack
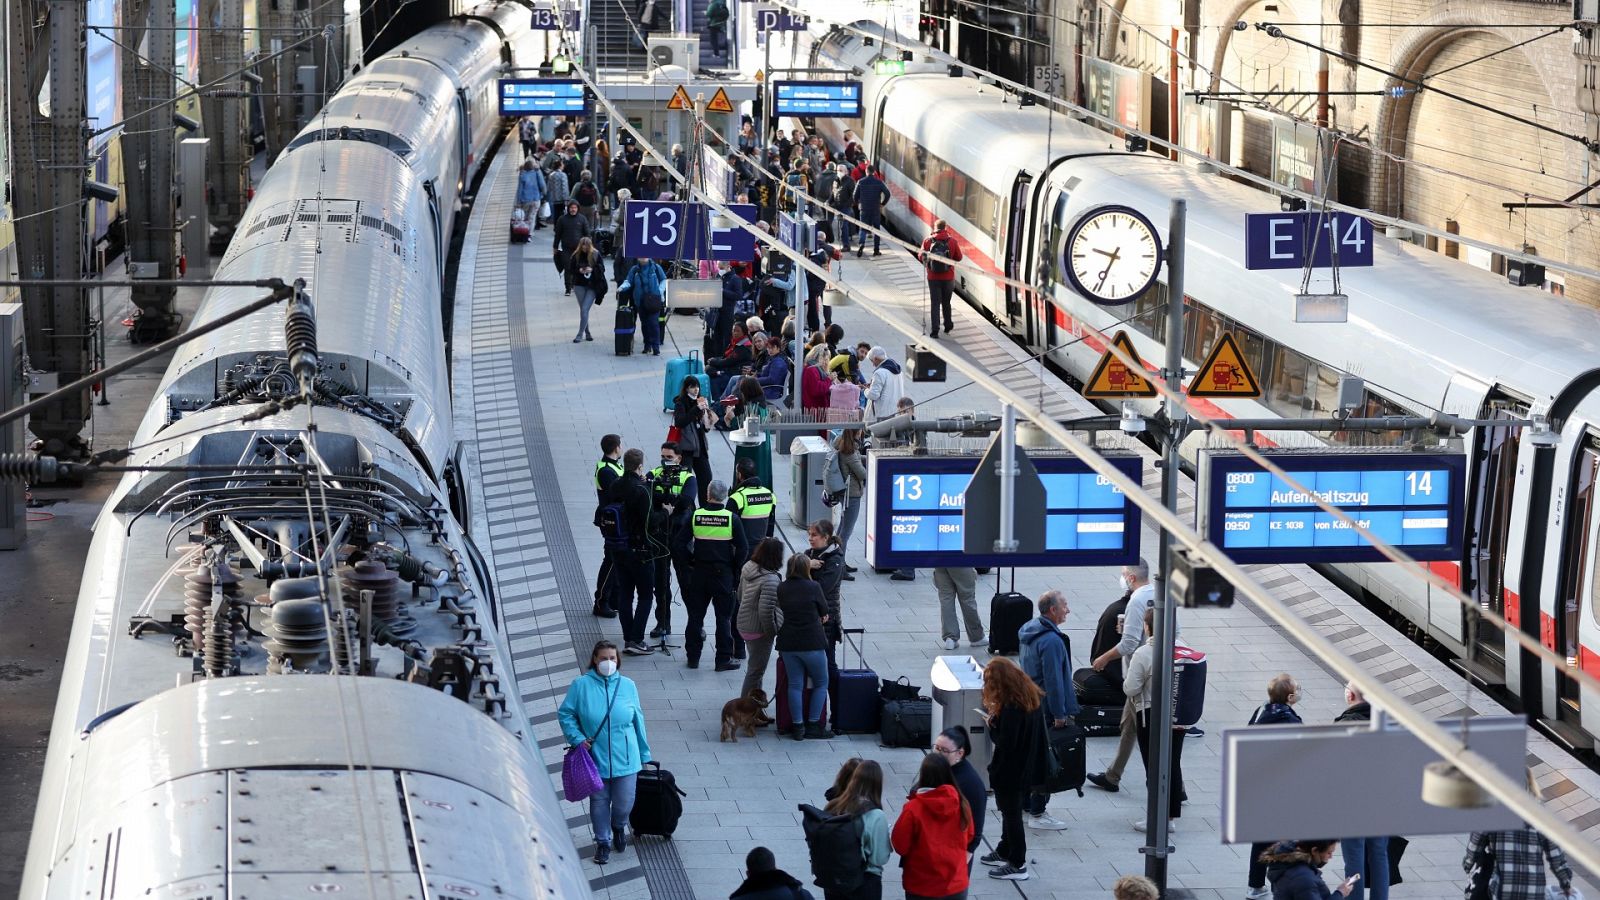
1188, 685
938, 247
833, 478
612, 519
586, 195
835, 844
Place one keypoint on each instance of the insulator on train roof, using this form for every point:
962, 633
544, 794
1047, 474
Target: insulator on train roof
300, 336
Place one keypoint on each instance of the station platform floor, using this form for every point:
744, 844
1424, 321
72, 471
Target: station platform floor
531, 407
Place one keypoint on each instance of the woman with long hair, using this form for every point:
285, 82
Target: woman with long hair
848, 447
863, 797
803, 646
955, 745
931, 834
1017, 727
586, 280
758, 618
602, 712
827, 570
750, 400
691, 413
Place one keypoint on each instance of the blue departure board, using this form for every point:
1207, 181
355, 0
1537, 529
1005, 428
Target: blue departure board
828, 99
542, 96
916, 503
1413, 501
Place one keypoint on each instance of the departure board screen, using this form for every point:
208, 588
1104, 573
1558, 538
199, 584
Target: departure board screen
827, 99
916, 504
1413, 501
541, 96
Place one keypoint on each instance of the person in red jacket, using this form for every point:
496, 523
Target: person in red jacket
932, 834
941, 274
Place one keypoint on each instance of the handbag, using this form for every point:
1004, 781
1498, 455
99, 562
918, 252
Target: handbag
897, 689
675, 436
544, 209
580, 777
689, 442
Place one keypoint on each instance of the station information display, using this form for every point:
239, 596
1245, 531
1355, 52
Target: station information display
827, 99
541, 96
1412, 501
915, 505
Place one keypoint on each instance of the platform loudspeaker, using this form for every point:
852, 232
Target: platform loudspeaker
1524, 274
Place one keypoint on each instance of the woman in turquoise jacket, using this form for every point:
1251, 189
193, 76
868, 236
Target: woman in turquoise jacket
602, 711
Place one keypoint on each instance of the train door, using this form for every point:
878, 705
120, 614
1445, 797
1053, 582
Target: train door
465, 108
1013, 223
1576, 591
1494, 476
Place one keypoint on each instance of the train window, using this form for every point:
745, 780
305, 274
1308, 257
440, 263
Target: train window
965, 195
1287, 385
1325, 387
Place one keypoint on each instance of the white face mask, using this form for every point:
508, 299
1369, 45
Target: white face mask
606, 667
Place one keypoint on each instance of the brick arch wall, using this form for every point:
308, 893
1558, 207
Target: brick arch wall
1288, 12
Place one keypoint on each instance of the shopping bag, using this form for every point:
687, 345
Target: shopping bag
580, 778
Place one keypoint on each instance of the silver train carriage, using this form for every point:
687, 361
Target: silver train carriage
1426, 333
287, 673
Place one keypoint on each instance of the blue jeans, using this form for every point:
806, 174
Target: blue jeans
1370, 857
609, 807
874, 221
847, 522
650, 325
803, 664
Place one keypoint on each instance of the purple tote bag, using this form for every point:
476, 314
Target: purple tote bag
579, 777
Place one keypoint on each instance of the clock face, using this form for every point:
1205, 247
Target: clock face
1112, 255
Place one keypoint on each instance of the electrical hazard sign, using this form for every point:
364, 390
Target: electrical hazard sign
680, 99
1113, 378
720, 102
1225, 373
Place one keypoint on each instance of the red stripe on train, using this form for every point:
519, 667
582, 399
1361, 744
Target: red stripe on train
1547, 630
1511, 601
1589, 661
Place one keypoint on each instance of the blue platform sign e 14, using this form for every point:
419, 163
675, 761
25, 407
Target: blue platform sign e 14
542, 96
1410, 500
772, 18
672, 230
1281, 240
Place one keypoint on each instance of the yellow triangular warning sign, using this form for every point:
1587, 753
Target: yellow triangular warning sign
1225, 373
1113, 379
720, 102
680, 99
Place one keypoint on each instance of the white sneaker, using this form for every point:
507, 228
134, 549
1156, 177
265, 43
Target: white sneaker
950, 644
1172, 826
1259, 893
1046, 822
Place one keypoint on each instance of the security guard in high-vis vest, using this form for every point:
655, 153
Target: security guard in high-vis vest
755, 504
672, 498
717, 550
606, 470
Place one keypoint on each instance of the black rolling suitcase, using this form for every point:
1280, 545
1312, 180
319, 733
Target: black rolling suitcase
855, 692
1008, 612
627, 324
658, 802
604, 240
1072, 760
1100, 702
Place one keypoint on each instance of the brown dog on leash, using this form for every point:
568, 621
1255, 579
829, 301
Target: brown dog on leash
745, 713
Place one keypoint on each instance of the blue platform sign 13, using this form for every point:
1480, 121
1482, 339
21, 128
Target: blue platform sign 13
672, 230
915, 506
1282, 240
547, 19
1409, 500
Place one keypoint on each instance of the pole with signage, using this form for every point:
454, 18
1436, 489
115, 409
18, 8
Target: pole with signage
1166, 616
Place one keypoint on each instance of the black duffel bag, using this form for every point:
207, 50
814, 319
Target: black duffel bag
907, 723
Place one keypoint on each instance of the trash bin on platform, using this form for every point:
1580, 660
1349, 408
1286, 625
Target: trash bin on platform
807, 456
957, 699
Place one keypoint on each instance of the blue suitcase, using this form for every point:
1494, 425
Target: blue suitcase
679, 368
855, 693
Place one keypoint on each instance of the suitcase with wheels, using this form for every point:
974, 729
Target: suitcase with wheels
1099, 721
627, 324
520, 230
658, 802
1008, 612
785, 716
1072, 758
855, 693
1094, 689
678, 368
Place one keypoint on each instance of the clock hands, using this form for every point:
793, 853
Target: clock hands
1111, 260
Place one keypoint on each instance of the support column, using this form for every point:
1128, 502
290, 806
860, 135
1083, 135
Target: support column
223, 108
147, 150
276, 17
50, 163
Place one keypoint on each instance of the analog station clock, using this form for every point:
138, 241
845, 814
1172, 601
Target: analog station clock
1112, 255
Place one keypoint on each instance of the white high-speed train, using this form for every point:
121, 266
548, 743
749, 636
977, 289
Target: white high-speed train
287, 674
1425, 332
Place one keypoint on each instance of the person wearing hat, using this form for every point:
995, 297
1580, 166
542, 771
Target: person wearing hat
844, 395
822, 257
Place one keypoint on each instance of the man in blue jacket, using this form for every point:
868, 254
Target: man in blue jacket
1046, 655
872, 195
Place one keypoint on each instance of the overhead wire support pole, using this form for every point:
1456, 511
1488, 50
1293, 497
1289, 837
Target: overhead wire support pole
1164, 638
1007, 542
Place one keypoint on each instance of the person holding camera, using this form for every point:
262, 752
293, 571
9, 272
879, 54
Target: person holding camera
672, 498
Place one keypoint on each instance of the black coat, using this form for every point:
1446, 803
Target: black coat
970, 784
569, 230
685, 415
631, 491
1020, 748
829, 575
1106, 637
803, 608
774, 885
597, 275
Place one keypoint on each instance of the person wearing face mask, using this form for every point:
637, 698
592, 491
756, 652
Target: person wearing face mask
586, 281
602, 711
672, 499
